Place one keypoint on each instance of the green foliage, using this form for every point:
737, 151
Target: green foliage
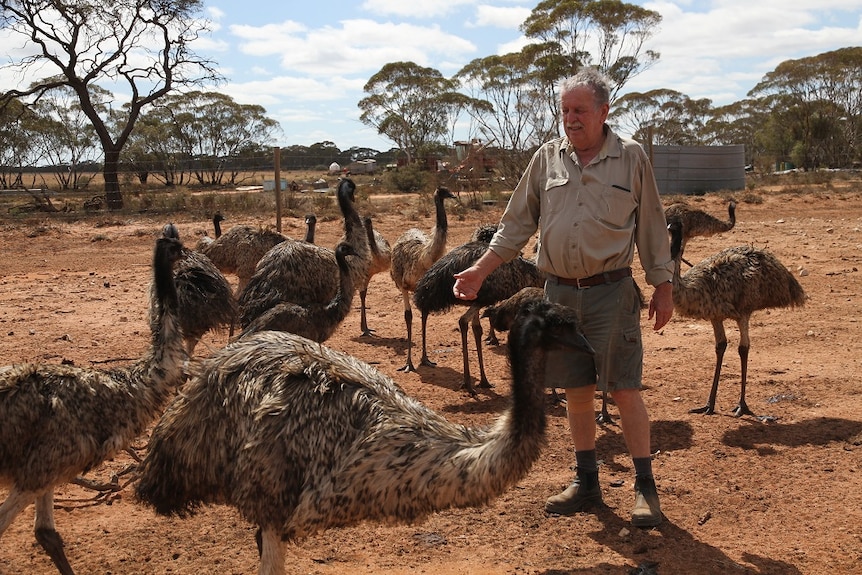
410, 104
410, 178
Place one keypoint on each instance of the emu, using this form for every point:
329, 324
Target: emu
732, 284
696, 222
300, 438
434, 295
238, 250
412, 255
381, 260
206, 301
303, 273
316, 321
58, 421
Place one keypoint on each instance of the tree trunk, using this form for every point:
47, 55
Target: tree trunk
113, 196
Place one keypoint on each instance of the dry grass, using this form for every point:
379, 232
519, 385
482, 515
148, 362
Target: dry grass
376, 195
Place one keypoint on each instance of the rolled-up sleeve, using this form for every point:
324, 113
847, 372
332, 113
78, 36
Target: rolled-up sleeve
651, 234
520, 220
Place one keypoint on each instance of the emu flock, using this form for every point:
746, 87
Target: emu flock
299, 437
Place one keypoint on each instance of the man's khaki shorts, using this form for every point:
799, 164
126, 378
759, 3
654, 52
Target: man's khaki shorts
609, 316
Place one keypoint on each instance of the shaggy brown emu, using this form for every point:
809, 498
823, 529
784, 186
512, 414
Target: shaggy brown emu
434, 295
238, 250
300, 438
412, 255
315, 321
206, 301
381, 260
58, 421
732, 284
303, 273
697, 222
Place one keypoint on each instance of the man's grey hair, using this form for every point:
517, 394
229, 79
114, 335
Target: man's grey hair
592, 78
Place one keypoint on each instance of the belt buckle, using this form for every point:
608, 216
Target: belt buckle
578, 284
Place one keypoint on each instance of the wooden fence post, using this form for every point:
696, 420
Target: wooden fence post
277, 162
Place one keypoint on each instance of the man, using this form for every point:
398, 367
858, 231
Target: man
595, 198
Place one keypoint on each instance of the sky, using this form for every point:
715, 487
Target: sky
307, 62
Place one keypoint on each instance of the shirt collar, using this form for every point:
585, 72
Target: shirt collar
610, 148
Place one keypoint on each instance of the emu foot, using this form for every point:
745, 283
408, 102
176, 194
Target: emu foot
604, 417
408, 367
470, 389
706, 409
742, 409
52, 543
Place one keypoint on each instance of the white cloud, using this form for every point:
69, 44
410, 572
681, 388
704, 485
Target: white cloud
273, 91
215, 14
358, 46
506, 17
723, 50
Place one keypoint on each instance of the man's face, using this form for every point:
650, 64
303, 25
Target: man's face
583, 121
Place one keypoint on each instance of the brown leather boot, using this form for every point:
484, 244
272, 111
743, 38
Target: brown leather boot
647, 511
583, 493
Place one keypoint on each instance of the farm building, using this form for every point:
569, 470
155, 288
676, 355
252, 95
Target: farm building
368, 166
698, 169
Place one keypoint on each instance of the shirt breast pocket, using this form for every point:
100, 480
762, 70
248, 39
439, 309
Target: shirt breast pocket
554, 196
619, 207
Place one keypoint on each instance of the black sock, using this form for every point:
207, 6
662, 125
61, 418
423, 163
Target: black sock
586, 461
643, 466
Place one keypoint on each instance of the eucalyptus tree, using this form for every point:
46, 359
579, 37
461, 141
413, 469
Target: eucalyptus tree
64, 135
819, 99
608, 34
17, 151
153, 149
739, 123
412, 105
507, 107
141, 46
663, 116
212, 132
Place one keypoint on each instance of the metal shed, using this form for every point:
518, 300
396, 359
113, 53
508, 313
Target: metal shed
698, 169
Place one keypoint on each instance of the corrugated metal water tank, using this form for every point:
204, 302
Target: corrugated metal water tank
698, 169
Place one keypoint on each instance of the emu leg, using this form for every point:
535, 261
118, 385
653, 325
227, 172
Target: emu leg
425, 360
15, 503
492, 336
408, 320
744, 345
462, 327
47, 535
477, 335
604, 416
363, 321
271, 553
742, 407
720, 347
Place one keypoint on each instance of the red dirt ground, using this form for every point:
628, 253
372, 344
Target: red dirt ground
739, 495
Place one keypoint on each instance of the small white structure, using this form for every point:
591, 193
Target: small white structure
334, 168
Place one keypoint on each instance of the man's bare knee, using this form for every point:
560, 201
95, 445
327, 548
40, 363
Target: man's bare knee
580, 399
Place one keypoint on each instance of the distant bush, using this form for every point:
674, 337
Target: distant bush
408, 179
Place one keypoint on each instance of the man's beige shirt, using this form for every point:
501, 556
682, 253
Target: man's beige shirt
590, 218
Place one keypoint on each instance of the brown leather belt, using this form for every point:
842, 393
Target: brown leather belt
598, 279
